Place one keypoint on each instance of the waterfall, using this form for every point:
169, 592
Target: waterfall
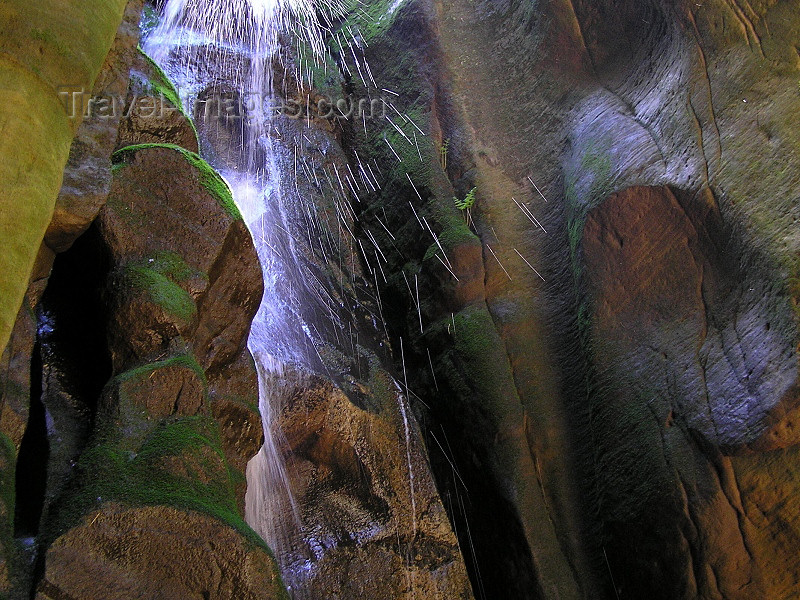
239, 47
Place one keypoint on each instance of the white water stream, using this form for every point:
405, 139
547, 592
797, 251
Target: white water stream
237, 45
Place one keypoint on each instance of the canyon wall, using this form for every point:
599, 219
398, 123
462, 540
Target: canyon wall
129, 404
584, 385
47, 48
615, 365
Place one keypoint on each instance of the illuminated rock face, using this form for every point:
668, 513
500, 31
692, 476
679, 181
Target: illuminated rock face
685, 318
652, 378
46, 48
603, 361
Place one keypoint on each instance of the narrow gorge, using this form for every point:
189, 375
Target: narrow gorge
400, 299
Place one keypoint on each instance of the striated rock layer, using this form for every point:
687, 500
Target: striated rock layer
636, 174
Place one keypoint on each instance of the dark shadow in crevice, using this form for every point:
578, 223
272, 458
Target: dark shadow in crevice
73, 366
34, 452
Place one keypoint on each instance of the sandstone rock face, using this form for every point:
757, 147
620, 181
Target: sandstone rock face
177, 317
83, 190
370, 522
161, 452
45, 47
365, 519
639, 157
599, 362
118, 553
156, 114
87, 175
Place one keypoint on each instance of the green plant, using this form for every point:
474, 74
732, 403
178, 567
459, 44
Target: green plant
443, 153
162, 291
150, 20
208, 178
466, 204
160, 86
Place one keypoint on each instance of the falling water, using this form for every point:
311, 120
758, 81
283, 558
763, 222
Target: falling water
242, 48
238, 45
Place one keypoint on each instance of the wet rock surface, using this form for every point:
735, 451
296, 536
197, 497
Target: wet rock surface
599, 359
370, 522
168, 323
653, 364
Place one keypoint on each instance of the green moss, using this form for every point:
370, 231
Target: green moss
212, 182
162, 291
323, 71
49, 38
454, 235
184, 360
209, 179
150, 20
124, 418
455, 231
172, 265
371, 19
479, 345
160, 85
180, 464
409, 156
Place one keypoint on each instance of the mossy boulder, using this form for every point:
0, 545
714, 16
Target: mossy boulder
184, 252
116, 552
156, 112
175, 480
175, 386
146, 312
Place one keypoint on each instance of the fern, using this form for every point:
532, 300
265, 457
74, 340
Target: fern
466, 205
468, 202
443, 154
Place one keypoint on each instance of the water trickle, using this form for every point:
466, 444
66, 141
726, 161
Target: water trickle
258, 52
209, 47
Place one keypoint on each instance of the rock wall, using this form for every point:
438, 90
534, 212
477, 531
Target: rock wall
365, 519
631, 287
129, 397
46, 49
148, 405
598, 358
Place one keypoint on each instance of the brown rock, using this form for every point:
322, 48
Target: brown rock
87, 176
190, 268
157, 552
154, 116
147, 312
158, 204
172, 387
371, 521
232, 298
15, 374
